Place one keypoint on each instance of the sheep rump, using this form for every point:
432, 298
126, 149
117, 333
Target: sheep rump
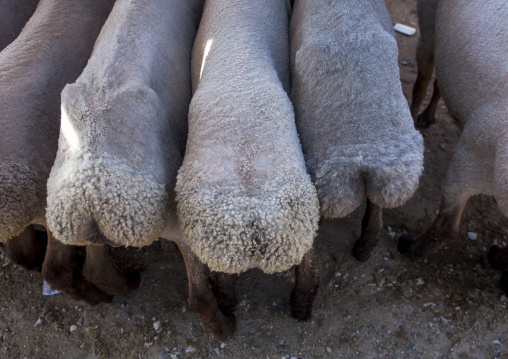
244, 197
358, 138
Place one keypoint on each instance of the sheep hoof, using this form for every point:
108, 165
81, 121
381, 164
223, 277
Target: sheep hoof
503, 283
226, 329
361, 252
424, 121
301, 309
410, 247
496, 259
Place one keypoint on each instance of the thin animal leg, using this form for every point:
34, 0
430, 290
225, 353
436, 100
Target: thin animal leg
62, 270
428, 116
462, 181
224, 288
28, 249
306, 287
100, 270
202, 300
372, 223
425, 62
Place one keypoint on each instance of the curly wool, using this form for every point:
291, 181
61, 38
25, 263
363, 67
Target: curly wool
21, 198
128, 207
233, 228
353, 120
245, 199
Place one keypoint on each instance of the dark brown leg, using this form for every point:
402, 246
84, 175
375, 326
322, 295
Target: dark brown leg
425, 62
306, 287
224, 288
28, 249
428, 116
372, 223
464, 178
503, 283
62, 270
100, 270
201, 299
498, 257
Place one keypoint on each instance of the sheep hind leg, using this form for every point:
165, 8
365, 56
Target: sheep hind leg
224, 288
62, 270
202, 300
372, 223
100, 270
306, 287
428, 116
444, 230
28, 249
425, 62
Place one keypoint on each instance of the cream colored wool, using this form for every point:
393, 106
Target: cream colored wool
354, 122
244, 197
51, 51
470, 50
124, 126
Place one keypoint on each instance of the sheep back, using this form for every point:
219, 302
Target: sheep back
353, 120
244, 197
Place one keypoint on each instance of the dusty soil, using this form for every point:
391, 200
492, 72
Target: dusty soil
447, 306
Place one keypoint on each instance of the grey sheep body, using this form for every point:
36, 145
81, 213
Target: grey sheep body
353, 120
13, 16
51, 51
244, 197
124, 125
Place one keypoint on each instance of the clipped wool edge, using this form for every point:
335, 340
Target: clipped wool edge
131, 207
18, 198
387, 174
232, 231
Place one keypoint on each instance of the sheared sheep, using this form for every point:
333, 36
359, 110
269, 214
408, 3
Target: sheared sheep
13, 16
352, 117
122, 140
244, 197
51, 51
467, 43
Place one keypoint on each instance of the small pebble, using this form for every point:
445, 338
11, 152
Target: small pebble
190, 349
404, 63
472, 236
328, 349
274, 304
441, 146
73, 328
222, 345
157, 325
496, 341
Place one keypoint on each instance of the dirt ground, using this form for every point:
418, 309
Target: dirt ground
447, 306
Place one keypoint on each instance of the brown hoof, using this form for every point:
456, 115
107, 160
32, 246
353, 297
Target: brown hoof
360, 252
498, 258
423, 121
410, 247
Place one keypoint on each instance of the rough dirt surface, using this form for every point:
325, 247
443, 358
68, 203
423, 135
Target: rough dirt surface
447, 306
